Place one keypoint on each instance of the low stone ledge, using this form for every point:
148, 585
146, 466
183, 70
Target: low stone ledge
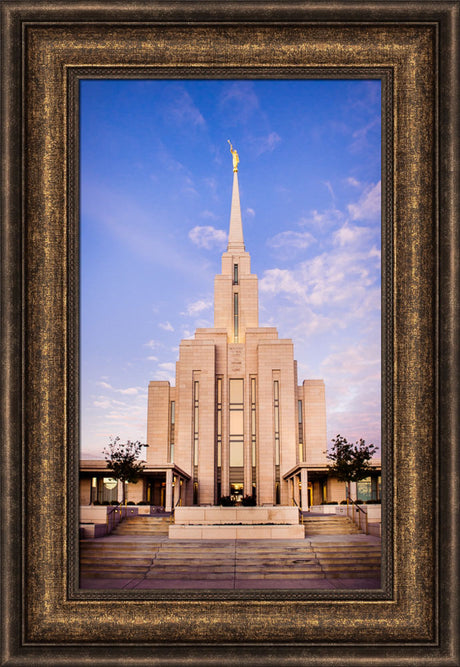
237, 532
236, 515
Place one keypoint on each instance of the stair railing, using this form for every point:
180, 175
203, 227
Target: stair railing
356, 513
115, 514
171, 516
296, 504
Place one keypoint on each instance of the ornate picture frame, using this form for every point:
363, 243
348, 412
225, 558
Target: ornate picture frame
46, 47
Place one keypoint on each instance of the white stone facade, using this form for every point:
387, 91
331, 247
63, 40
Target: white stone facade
237, 422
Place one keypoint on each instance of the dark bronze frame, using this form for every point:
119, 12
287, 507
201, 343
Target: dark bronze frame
46, 46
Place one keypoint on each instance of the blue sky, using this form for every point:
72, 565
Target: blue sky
156, 179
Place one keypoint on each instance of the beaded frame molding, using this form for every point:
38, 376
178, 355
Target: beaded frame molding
47, 47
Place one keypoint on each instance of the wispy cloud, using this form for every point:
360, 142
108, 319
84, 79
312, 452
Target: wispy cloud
242, 98
266, 144
105, 385
331, 190
322, 219
166, 371
369, 204
130, 391
350, 234
250, 212
353, 182
207, 237
167, 366
152, 344
183, 110
291, 239
198, 306
167, 326
360, 141
209, 215
352, 377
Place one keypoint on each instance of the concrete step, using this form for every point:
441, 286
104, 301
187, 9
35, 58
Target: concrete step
330, 525
150, 558
143, 525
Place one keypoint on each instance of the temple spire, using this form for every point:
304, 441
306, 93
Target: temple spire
235, 235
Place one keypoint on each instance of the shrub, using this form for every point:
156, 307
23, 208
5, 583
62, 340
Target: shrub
105, 502
248, 501
96, 502
130, 502
343, 502
142, 502
114, 502
227, 501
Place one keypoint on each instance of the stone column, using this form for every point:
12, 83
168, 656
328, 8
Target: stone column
176, 490
304, 495
296, 480
353, 491
168, 494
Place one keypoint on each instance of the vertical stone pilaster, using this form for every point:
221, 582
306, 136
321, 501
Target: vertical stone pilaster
304, 491
168, 494
176, 483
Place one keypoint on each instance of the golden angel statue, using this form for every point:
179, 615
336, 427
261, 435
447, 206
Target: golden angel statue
236, 159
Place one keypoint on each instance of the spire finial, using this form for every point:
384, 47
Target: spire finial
234, 153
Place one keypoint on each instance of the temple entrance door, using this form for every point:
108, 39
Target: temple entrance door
156, 489
236, 493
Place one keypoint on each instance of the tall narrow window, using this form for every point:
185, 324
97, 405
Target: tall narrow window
236, 430
301, 452
171, 431
235, 274
196, 385
235, 317
219, 422
253, 422
276, 405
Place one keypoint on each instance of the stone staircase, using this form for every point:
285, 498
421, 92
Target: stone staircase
329, 525
143, 525
150, 558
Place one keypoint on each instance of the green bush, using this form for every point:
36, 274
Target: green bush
105, 502
227, 501
130, 502
142, 502
96, 502
248, 501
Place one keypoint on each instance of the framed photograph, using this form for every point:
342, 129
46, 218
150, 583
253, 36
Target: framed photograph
49, 52
168, 211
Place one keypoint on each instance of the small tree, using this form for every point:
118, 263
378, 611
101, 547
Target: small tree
351, 461
122, 461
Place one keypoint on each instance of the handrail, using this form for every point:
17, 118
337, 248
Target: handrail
296, 504
360, 509
357, 506
112, 511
